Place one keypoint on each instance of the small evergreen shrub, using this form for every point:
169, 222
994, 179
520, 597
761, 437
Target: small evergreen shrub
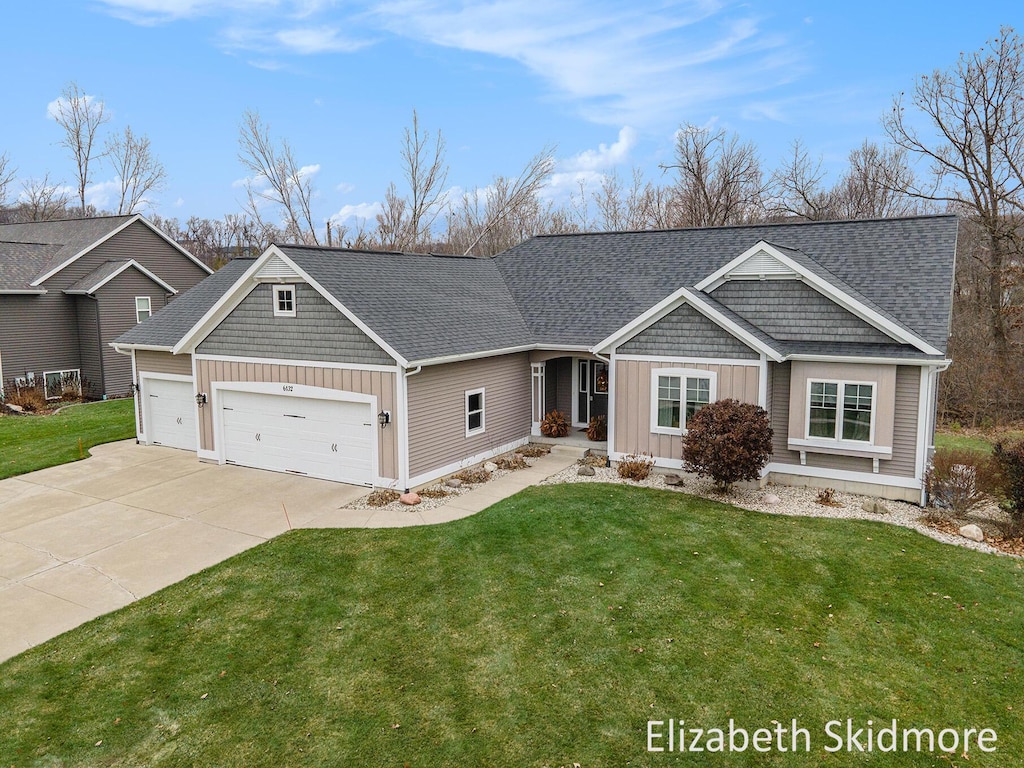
958, 480
635, 466
728, 441
1009, 459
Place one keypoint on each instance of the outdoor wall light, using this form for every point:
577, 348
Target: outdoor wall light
201, 399
384, 418
133, 388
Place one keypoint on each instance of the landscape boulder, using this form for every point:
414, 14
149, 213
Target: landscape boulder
586, 470
673, 479
410, 499
771, 498
453, 482
490, 466
875, 507
972, 532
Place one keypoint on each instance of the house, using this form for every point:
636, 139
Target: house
68, 288
395, 369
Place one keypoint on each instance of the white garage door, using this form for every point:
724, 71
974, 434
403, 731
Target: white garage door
330, 439
170, 416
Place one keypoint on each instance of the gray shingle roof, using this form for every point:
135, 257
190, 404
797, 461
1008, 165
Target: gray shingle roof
904, 266
422, 306
98, 275
579, 289
30, 250
169, 324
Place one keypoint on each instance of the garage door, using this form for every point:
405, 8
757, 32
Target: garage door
170, 417
330, 439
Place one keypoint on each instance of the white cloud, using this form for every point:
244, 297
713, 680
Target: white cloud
345, 187
309, 170
149, 12
604, 156
179, 202
103, 194
360, 212
53, 109
311, 40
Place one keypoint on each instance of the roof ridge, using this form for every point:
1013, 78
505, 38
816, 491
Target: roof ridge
370, 252
70, 218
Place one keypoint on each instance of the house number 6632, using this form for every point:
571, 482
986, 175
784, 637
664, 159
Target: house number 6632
288, 388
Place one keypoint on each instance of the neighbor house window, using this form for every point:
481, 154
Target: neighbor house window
675, 396
143, 308
474, 412
840, 410
62, 384
284, 300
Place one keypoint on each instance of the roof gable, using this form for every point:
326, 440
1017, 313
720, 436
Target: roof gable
108, 271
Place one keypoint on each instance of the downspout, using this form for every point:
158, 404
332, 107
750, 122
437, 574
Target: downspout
403, 428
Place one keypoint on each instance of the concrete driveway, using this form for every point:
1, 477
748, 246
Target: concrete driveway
82, 539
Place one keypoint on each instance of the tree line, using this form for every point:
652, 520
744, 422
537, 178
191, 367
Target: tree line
955, 143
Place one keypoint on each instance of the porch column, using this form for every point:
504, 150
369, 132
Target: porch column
537, 390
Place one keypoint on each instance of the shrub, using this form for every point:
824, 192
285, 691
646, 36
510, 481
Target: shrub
433, 493
635, 466
473, 476
382, 497
728, 441
827, 498
1009, 459
554, 425
511, 461
598, 428
959, 480
534, 450
30, 399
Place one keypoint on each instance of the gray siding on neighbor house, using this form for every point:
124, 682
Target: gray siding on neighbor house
437, 409
685, 332
790, 310
117, 315
38, 333
87, 310
558, 392
162, 362
904, 448
317, 332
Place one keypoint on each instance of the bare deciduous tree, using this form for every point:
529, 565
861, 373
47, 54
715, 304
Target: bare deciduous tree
876, 184
43, 200
720, 180
276, 178
80, 116
797, 190
7, 174
423, 163
138, 170
976, 156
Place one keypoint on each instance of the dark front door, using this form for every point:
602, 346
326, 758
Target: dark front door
593, 389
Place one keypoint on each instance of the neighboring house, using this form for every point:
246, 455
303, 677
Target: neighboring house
68, 288
391, 369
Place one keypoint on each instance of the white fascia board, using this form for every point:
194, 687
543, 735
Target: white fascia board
23, 292
126, 349
667, 305
475, 355
130, 263
943, 364
340, 307
826, 288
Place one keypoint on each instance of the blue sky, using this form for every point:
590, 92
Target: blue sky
607, 82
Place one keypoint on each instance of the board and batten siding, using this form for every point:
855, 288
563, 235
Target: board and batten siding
150, 361
317, 332
633, 403
117, 315
685, 332
904, 442
381, 384
437, 410
791, 310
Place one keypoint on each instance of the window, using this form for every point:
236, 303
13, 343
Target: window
676, 395
284, 300
58, 384
143, 308
827, 420
474, 412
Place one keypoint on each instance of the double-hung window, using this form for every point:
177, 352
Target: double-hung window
676, 395
143, 308
474, 412
840, 410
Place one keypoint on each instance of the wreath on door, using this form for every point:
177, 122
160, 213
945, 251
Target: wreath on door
601, 383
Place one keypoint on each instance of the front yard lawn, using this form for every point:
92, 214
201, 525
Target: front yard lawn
28, 443
545, 631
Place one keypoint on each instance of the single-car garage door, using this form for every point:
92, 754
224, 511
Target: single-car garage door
170, 417
330, 439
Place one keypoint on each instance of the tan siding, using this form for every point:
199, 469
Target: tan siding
163, 362
904, 440
778, 402
633, 403
381, 384
437, 408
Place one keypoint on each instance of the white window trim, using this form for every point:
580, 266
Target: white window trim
148, 310
483, 411
47, 395
682, 374
839, 442
276, 290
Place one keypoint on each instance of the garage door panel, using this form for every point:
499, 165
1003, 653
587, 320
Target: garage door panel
171, 413
324, 438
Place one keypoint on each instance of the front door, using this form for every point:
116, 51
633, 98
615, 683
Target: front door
592, 395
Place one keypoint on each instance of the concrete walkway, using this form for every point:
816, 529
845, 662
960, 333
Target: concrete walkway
82, 539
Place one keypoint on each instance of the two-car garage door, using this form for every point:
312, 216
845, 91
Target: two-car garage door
326, 438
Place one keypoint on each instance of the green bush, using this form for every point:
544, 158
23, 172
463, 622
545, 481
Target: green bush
728, 441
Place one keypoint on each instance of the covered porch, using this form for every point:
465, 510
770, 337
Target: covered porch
578, 385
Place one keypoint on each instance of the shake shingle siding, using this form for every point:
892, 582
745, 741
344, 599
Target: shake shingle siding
684, 332
790, 310
317, 332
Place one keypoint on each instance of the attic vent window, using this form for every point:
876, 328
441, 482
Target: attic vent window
284, 301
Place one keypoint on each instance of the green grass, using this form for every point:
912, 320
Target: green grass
974, 440
36, 442
545, 631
